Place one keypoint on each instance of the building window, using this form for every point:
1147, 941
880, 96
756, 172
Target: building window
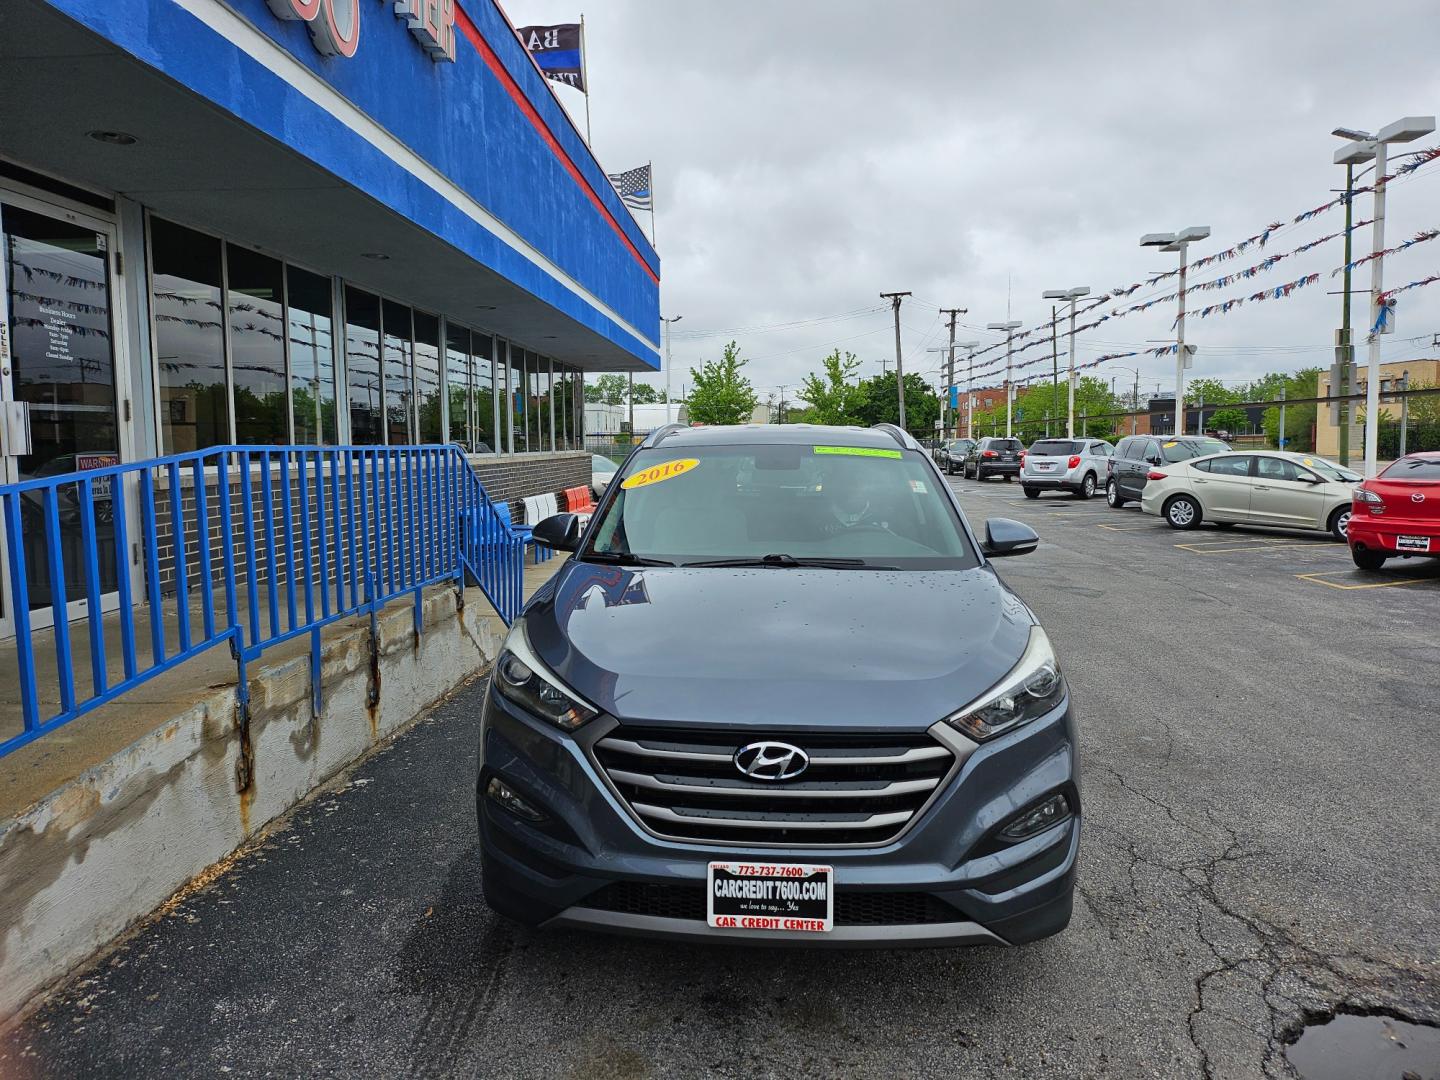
459, 406
186, 282
427, 377
310, 318
362, 365
540, 395
519, 385
485, 439
255, 299
397, 368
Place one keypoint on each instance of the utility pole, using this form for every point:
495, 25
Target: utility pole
1009, 327
954, 313
780, 409
667, 322
895, 298
1054, 362
1345, 353
1404, 382
1180, 242
1281, 437
1135, 410
632, 405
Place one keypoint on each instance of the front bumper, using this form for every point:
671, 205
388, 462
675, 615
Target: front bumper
556, 872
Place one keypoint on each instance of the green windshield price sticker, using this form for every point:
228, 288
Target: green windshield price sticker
858, 451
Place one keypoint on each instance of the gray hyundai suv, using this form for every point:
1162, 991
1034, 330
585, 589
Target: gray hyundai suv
779, 695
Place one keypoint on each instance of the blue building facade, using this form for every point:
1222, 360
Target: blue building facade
281, 222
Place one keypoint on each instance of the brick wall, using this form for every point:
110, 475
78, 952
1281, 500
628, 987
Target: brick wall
510, 477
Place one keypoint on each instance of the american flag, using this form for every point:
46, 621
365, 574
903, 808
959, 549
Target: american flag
634, 187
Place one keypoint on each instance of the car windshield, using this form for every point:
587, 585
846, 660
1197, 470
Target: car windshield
1189, 448
1330, 471
860, 506
1055, 448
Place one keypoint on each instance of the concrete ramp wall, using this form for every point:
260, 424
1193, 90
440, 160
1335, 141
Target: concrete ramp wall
110, 845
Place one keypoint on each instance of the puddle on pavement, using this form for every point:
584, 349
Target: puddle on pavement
1367, 1048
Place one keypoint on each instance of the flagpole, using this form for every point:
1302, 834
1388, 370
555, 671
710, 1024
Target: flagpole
650, 166
585, 78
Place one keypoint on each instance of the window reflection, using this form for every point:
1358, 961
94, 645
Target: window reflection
257, 347
189, 338
312, 356
427, 376
362, 363
399, 402
486, 441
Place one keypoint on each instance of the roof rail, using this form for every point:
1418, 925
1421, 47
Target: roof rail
661, 433
901, 437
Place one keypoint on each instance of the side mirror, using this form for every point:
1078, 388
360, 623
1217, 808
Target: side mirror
559, 531
1004, 537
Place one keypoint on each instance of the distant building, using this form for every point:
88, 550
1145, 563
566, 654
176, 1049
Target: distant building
1327, 435
603, 419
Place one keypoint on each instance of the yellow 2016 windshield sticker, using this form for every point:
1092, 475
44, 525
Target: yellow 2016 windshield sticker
1168, 445
858, 451
666, 470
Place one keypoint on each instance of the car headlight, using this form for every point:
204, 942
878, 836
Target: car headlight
521, 677
1033, 688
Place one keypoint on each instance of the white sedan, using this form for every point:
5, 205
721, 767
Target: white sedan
602, 471
1263, 487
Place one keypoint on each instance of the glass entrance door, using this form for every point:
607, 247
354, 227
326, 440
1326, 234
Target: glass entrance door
57, 269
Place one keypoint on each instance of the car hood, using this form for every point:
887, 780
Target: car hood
778, 649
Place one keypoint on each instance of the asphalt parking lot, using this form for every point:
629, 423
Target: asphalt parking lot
1258, 740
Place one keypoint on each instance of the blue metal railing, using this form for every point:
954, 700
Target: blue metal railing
248, 545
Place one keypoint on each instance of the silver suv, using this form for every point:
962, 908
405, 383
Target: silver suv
1078, 466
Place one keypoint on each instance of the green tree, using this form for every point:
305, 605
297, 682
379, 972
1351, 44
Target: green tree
1046, 399
719, 393
832, 397
645, 394
882, 403
1211, 392
1299, 419
607, 390
1231, 420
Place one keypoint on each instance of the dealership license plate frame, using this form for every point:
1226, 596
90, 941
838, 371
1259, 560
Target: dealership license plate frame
1419, 544
771, 915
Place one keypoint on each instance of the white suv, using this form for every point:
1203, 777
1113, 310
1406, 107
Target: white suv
1078, 466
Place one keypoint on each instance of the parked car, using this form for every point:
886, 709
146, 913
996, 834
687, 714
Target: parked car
993, 456
1079, 466
1273, 487
1397, 512
950, 455
1136, 455
602, 471
662, 754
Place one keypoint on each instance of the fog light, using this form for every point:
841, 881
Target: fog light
503, 794
1037, 819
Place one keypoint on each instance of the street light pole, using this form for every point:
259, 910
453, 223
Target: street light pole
1073, 295
1406, 129
1180, 242
667, 322
895, 298
1009, 328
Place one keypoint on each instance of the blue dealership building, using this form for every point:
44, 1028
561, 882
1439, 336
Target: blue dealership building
278, 222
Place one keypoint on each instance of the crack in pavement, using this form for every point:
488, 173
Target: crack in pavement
1268, 954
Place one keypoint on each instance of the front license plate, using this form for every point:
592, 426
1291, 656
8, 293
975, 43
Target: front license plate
1412, 543
786, 897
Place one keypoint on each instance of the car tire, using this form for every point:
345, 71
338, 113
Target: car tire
1182, 512
1113, 496
1339, 522
1087, 487
1009, 478
1032, 493
1366, 559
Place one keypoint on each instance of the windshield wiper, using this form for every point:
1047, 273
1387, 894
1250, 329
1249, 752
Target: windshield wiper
622, 558
783, 561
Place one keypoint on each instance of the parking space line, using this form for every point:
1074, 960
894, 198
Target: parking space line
1255, 546
1233, 540
1130, 528
1368, 585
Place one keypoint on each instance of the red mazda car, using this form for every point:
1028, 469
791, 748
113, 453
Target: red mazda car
1397, 512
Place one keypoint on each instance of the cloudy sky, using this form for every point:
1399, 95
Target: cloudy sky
811, 155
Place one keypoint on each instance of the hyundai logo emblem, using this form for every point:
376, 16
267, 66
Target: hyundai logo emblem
1417, 496
771, 761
